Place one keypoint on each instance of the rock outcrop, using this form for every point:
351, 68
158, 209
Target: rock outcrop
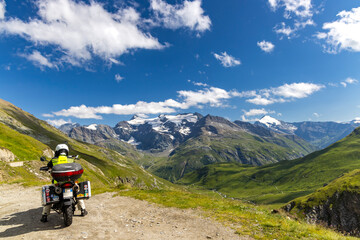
6, 155
341, 211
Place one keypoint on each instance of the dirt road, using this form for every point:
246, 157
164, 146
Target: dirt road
109, 218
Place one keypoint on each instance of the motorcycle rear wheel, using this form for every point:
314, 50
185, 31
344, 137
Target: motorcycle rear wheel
68, 215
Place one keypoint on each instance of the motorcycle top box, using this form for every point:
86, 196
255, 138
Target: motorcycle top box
67, 172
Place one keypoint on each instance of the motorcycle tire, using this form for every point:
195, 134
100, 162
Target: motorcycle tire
68, 215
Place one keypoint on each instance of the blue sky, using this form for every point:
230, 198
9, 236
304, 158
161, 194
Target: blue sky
103, 61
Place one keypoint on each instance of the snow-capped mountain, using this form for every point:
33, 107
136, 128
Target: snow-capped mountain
276, 125
162, 133
320, 134
157, 134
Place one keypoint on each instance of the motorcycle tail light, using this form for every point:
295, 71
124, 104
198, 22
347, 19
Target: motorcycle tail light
66, 174
67, 185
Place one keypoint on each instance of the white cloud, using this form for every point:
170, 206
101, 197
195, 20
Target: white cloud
300, 10
256, 112
188, 14
284, 93
47, 115
266, 46
118, 109
57, 122
200, 84
342, 34
349, 81
282, 29
227, 60
317, 115
39, 59
81, 30
117, 62
259, 100
296, 90
212, 96
274, 4
2, 9
118, 78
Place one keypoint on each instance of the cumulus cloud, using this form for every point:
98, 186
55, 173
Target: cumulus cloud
256, 112
82, 30
284, 30
296, 90
300, 10
57, 122
266, 46
38, 59
226, 60
84, 111
118, 78
284, 93
349, 81
343, 33
189, 14
211, 96
2, 9
274, 4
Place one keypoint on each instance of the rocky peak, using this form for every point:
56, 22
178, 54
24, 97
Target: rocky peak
66, 128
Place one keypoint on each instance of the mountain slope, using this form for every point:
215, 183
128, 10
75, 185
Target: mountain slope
105, 167
283, 181
215, 139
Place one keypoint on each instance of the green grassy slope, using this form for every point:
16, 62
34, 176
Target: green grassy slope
283, 181
23, 146
246, 219
239, 147
105, 167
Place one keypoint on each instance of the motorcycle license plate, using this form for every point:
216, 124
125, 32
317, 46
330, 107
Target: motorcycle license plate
67, 192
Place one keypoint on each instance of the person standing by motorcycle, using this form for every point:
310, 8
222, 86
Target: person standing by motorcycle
61, 157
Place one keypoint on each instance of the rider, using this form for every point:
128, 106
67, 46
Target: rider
61, 156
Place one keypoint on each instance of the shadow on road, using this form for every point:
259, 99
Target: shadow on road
28, 221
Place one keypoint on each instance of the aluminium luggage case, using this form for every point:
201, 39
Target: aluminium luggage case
48, 195
84, 190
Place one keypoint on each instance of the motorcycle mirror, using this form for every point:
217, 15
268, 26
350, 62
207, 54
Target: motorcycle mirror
43, 159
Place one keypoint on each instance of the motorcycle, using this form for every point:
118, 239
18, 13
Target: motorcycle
65, 193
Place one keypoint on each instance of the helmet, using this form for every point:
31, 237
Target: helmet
60, 149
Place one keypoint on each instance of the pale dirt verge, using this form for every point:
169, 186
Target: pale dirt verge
109, 218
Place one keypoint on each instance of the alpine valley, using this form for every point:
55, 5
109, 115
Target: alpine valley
172, 145
217, 165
